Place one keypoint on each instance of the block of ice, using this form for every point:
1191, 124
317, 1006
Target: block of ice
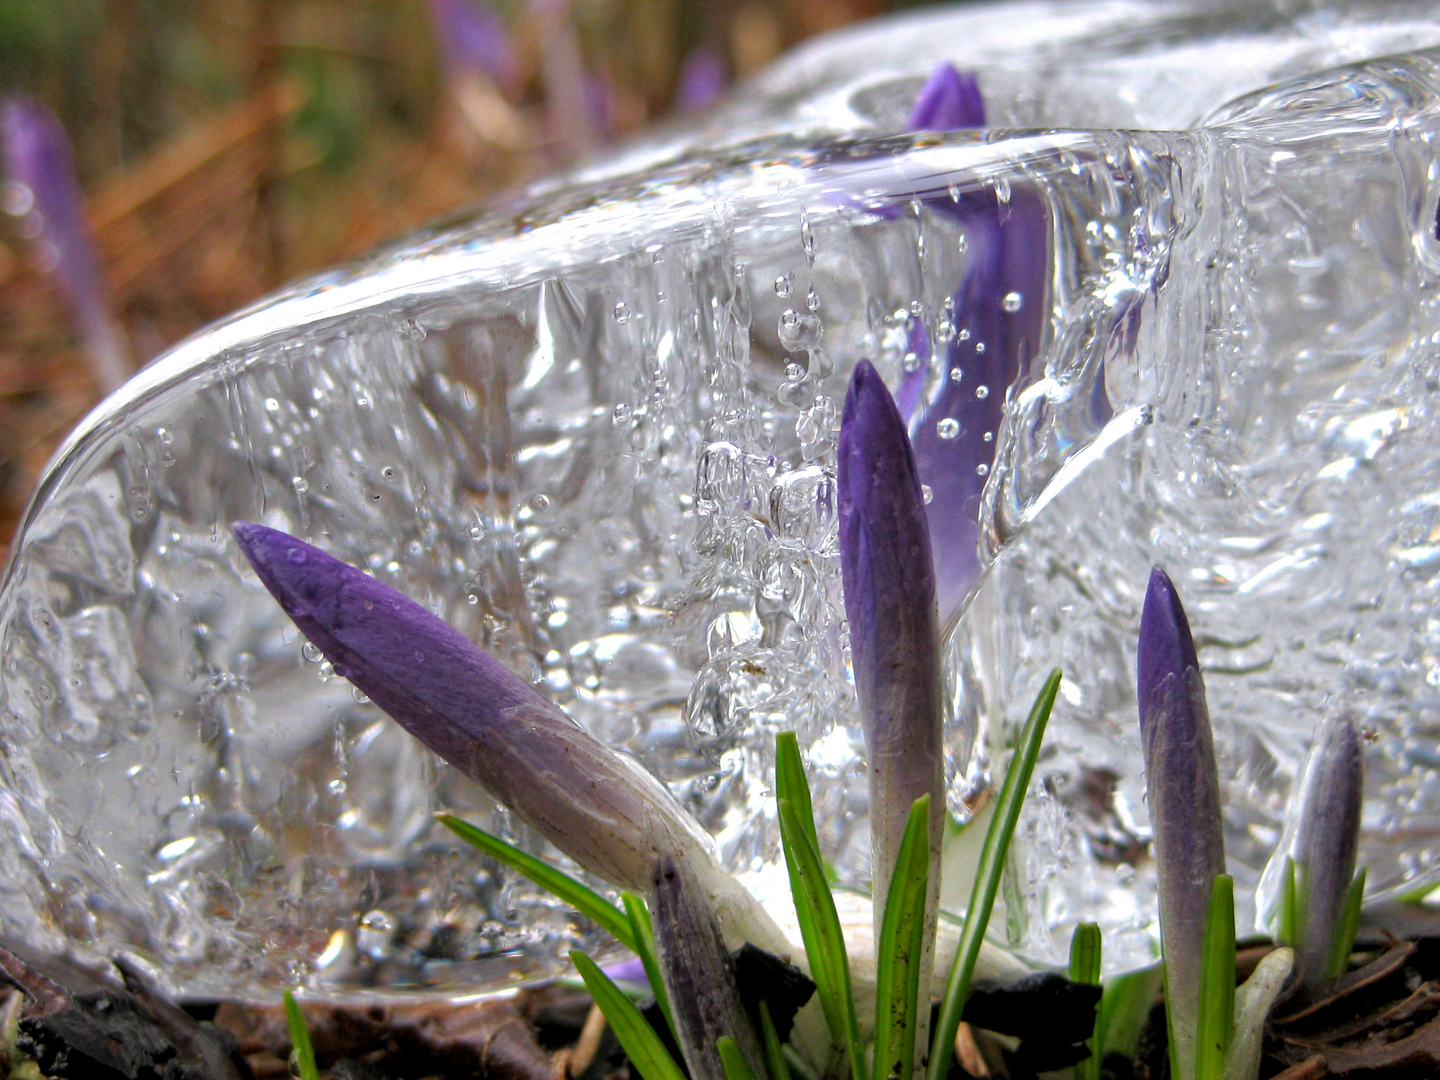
594, 426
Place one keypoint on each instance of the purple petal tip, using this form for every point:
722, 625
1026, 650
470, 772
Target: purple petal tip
1166, 647
949, 101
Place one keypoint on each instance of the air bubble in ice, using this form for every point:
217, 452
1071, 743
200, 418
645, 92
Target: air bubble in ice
1012, 302
799, 331
784, 285
622, 312
948, 429
812, 300
957, 374
312, 653
926, 493
375, 932
982, 392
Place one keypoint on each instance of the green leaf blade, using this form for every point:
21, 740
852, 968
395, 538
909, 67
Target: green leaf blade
902, 939
987, 877
736, 1067
302, 1049
581, 897
1085, 970
828, 959
645, 948
1215, 1025
775, 1062
647, 1053
1348, 925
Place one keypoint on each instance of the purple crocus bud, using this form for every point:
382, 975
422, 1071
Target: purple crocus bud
603, 810
42, 190
1183, 794
999, 317
702, 79
889, 585
1326, 833
472, 37
949, 101
699, 974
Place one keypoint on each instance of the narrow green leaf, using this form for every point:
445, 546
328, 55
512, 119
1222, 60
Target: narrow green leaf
647, 1053
1216, 1023
1085, 955
1349, 923
790, 783
645, 949
829, 955
582, 898
302, 1052
1085, 969
987, 877
902, 942
1289, 924
736, 1067
774, 1053
1125, 1005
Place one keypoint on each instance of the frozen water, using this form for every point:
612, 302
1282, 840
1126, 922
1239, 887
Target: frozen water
594, 427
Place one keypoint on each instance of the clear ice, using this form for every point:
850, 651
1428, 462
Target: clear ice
594, 426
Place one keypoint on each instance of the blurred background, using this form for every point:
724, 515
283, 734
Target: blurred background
219, 149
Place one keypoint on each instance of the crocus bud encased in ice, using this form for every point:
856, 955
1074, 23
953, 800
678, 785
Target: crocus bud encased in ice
1326, 834
949, 101
1183, 795
999, 317
41, 171
600, 808
889, 581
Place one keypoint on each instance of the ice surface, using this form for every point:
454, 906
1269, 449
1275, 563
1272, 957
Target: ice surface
594, 427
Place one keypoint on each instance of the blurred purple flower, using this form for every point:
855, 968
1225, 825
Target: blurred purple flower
699, 974
472, 37
949, 101
889, 582
702, 79
571, 99
42, 191
1183, 794
601, 809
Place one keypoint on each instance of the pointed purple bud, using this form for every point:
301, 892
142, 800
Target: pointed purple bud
41, 190
702, 79
1183, 794
889, 582
699, 974
601, 809
949, 101
1326, 834
472, 37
